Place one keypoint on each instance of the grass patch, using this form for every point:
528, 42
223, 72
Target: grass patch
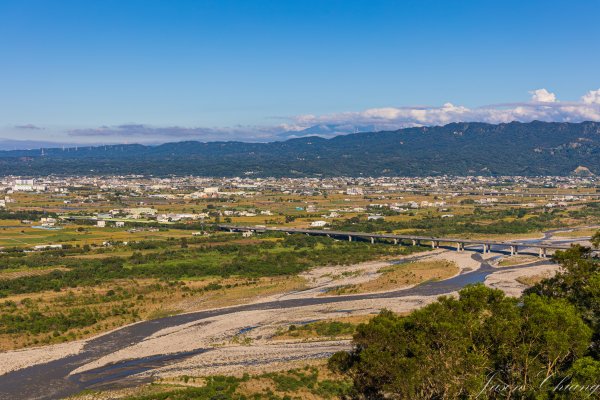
402, 275
531, 280
329, 329
335, 328
516, 260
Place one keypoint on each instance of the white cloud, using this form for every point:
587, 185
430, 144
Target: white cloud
543, 106
542, 96
591, 97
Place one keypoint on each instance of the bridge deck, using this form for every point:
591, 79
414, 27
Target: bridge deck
364, 235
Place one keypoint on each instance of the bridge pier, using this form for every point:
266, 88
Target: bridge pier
542, 252
395, 241
486, 248
372, 240
349, 238
435, 244
460, 246
416, 242
514, 250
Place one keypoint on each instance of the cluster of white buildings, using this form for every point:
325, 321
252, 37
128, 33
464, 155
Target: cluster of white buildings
48, 222
28, 185
487, 200
245, 213
178, 217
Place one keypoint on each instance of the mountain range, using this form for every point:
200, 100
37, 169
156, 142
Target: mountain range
534, 148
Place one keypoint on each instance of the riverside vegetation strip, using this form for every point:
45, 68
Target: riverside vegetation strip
88, 296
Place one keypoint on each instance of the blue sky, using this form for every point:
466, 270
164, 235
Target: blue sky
146, 71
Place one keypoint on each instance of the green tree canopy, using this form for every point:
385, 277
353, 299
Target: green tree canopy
483, 344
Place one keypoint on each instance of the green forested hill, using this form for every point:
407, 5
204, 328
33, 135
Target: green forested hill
535, 148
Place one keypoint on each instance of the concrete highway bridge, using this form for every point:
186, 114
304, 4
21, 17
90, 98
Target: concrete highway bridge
486, 246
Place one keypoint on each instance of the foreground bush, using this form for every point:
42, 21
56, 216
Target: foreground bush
486, 345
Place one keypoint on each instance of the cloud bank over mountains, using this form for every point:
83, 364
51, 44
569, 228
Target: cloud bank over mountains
544, 106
